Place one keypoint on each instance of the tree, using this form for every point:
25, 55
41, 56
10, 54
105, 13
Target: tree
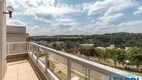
103, 53
91, 52
113, 54
71, 47
99, 51
88, 51
135, 56
56, 47
106, 54
121, 58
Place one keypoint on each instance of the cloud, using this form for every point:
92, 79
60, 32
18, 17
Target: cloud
108, 6
63, 25
38, 31
60, 9
111, 9
50, 11
100, 28
57, 17
96, 28
16, 23
129, 26
131, 23
34, 28
111, 18
44, 10
45, 17
58, 28
65, 20
139, 11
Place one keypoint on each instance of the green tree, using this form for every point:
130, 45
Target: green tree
135, 56
113, 54
88, 51
103, 54
71, 47
56, 47
121, 58
99, 51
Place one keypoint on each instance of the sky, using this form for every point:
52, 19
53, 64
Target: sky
76, 17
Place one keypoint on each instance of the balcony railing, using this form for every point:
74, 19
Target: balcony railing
57, 65
17, 47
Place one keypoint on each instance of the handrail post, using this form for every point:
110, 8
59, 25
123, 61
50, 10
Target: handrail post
88, 73
69, 69
46, 62
28, 46
37, 53
31, 49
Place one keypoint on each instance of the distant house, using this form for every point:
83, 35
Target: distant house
43, 43
100, 48
59, 43
127, 48
111, 47
87, 44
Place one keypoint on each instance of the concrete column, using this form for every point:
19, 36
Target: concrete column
2, 39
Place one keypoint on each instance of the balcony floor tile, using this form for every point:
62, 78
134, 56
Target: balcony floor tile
20, 70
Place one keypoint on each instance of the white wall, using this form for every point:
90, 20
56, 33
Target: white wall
16, 34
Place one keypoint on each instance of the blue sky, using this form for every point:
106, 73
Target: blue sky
70, 17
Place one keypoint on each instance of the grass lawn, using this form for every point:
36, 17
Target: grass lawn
61, 75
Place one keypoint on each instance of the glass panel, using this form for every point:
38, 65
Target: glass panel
18, 47
35, 50
42, 53
79, 72
58, 65
95, 75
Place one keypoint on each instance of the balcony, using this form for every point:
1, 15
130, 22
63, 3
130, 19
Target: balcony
18, 70
50, 64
